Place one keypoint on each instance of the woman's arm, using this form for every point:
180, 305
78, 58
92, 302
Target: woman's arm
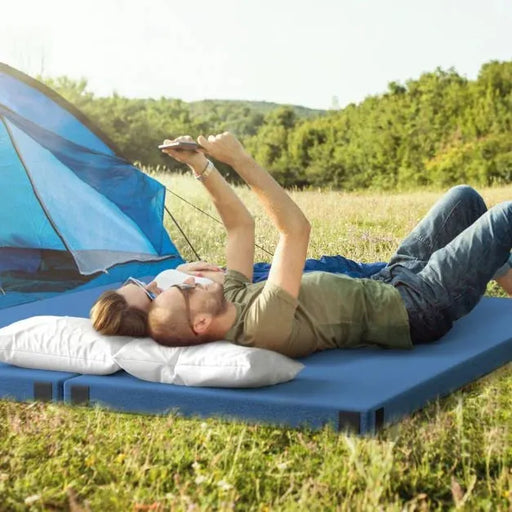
236, 218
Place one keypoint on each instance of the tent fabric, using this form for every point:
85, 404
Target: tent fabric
64, 187
139, 197
19, 259
33, 100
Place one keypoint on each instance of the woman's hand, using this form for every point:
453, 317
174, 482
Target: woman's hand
224, 147
203, 269
198, 266
194, 159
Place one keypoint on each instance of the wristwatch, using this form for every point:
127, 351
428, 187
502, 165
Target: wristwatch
206, 172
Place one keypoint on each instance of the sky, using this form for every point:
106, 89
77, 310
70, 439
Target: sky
318, 54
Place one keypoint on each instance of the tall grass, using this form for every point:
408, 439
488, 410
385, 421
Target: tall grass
456, 454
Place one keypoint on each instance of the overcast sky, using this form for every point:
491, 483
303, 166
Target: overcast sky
285, 51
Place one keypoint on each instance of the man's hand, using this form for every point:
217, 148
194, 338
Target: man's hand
194, 159
224, 147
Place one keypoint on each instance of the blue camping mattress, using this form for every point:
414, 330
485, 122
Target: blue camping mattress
361, 389
26, 384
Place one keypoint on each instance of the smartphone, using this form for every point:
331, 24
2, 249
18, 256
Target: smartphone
182, 145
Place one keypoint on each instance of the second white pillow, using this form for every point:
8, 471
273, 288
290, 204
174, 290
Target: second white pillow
217, 364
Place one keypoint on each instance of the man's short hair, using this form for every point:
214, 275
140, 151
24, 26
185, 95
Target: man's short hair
170, 328
112, 315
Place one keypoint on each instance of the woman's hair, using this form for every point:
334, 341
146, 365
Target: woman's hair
112, 315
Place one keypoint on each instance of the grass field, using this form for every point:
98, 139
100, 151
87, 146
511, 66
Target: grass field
456, 454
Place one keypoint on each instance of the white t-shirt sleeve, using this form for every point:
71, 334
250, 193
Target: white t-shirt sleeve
172, 276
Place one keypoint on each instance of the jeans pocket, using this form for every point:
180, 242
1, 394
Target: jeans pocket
427, 321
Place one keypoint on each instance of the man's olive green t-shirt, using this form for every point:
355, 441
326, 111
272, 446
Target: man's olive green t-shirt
332, 311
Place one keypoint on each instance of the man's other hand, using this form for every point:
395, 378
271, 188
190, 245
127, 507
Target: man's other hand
224, 147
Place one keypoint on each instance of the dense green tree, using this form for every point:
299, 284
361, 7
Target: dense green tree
439, 129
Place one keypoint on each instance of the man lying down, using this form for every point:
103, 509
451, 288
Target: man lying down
437, 275
124, 311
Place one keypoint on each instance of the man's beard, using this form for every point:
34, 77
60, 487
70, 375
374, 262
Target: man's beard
216, 303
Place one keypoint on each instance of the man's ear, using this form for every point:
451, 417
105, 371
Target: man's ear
202, 322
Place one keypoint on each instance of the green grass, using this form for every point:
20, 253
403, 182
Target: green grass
454, 454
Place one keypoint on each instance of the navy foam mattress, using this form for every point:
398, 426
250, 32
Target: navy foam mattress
29, 384
360, 390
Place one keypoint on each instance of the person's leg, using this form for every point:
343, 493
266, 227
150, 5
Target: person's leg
456, 275
459, 208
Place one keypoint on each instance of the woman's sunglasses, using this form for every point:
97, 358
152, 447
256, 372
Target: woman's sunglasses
143, 286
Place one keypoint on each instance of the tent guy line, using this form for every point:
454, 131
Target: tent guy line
208, 215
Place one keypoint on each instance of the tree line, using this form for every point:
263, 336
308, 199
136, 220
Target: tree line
440, 129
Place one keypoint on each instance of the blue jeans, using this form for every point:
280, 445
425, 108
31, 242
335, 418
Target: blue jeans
442, 268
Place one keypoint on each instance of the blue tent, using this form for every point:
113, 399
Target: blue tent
72, 210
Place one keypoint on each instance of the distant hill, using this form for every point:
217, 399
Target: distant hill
242, 117
134, 124
198, 107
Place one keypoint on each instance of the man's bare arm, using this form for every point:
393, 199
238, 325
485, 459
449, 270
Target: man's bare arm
293, 227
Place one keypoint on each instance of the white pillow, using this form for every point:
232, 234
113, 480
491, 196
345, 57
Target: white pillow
59, 343
217, 364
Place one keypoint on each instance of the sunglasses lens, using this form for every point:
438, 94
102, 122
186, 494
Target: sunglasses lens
140, 284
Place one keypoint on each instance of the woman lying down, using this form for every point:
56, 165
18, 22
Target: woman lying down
124, 311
